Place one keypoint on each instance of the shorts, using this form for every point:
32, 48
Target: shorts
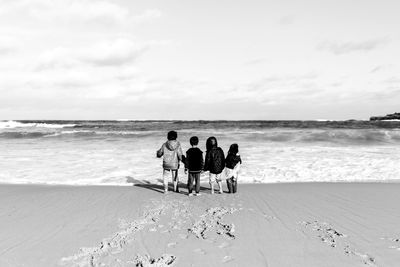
167, 174
215, 177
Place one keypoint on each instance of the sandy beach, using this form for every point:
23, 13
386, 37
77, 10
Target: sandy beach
304, 224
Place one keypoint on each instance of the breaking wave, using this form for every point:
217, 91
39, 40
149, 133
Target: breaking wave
271, 135
123, 152
17, 124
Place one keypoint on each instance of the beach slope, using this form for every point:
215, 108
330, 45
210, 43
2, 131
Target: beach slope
304, 224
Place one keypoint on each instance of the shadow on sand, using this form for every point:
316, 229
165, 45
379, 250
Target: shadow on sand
160, 188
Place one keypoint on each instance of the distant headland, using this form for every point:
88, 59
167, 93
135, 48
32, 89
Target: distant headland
394, 116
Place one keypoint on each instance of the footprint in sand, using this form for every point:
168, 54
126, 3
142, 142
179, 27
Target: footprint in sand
210, 240
164, 260
183, 236
227, 259
269, 217
200, 251
328, 234
172, 244
394, 242
224, 245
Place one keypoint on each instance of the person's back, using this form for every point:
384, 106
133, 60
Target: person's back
194, 160
216, 160
214, 163
194, 164
231, 172
231, 160
171, 152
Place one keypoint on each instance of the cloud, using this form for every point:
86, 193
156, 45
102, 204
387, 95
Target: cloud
341, 48
106, 53
282, 81
380, 68
114, 53
77, 10
276, 89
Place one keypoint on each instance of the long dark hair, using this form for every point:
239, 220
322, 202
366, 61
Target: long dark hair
211, 142
233, 149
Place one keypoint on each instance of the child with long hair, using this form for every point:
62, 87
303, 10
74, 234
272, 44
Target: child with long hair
232, 167
214, 163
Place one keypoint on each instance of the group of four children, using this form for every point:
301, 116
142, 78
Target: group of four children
215, 162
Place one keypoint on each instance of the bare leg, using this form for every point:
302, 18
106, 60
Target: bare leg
165, 180
212, 180
220, 187
176, 186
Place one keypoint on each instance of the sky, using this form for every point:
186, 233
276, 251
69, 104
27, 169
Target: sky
199, 60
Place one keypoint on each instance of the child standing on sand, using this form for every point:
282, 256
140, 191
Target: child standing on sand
232, 167
215, 163
171, 152
194, 164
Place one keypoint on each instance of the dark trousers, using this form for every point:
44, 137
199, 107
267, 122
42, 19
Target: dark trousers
232, 185
193, 177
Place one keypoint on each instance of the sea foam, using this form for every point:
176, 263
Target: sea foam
122, 153
15, 124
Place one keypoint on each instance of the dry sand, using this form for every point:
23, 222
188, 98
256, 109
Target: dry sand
312, 224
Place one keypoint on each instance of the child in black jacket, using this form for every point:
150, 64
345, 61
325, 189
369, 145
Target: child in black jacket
215, 163
194, 164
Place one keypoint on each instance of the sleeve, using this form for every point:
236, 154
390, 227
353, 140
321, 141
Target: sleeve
222, 158
180, 153
160, 152
186, 160
207, 162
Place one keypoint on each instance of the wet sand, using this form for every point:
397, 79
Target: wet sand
304, 224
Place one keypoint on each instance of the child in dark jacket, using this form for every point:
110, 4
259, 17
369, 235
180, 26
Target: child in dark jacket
194, 164
232, 167
214, 163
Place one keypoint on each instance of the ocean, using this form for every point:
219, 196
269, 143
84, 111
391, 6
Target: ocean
124, 152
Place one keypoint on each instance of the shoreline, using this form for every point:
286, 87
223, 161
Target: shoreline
203, 184
286, 224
